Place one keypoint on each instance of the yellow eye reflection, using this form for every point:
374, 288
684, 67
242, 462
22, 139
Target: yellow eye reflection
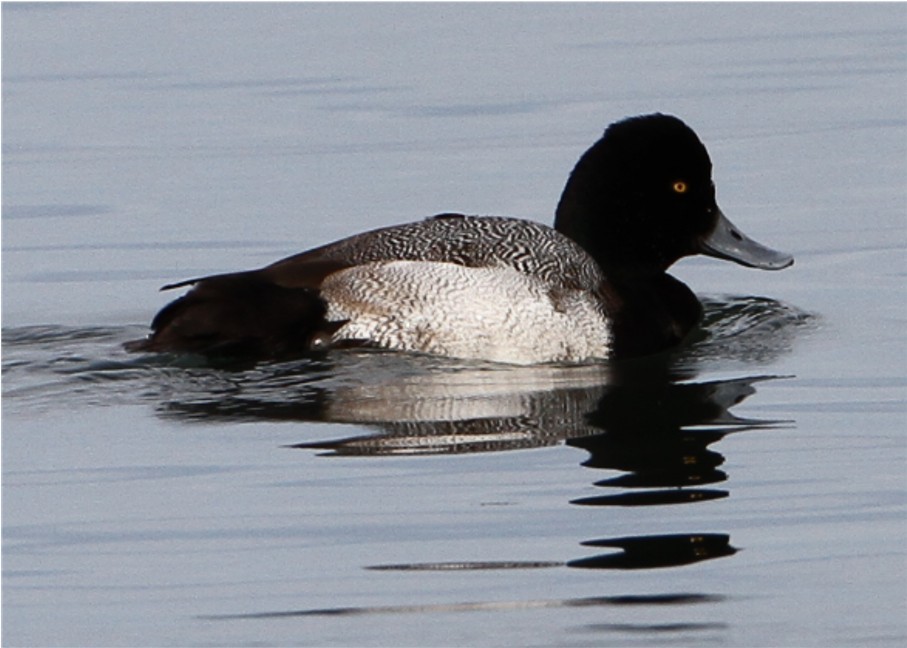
680, 187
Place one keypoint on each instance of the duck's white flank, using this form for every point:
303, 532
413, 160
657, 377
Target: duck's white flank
497, 314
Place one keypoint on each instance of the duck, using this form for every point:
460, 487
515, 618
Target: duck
594, 287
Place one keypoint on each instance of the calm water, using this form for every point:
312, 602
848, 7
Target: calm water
747, 490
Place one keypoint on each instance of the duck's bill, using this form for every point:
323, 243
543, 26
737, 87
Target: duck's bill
726, 241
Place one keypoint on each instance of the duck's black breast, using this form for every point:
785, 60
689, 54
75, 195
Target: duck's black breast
649, 314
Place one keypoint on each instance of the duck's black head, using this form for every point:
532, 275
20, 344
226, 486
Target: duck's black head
642, 197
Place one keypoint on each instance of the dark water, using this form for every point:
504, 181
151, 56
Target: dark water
745, 490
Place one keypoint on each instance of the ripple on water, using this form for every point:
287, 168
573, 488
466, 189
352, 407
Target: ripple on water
53, 366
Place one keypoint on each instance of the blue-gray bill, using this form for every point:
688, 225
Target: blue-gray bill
726, 241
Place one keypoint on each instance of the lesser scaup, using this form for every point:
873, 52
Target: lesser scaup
501, 289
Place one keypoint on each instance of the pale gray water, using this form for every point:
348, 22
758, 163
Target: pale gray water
152, 502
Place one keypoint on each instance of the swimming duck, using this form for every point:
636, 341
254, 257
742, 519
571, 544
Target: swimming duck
500, 289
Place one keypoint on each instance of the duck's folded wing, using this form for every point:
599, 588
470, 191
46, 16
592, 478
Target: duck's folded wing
472, 241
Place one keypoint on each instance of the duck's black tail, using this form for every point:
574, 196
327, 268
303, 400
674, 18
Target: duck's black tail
245, 314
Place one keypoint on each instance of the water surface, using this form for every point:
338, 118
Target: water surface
747, 489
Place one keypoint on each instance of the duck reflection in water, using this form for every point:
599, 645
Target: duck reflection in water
634, 419
646, 418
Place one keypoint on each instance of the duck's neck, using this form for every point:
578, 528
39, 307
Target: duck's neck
610, 232
625, 261
574, 219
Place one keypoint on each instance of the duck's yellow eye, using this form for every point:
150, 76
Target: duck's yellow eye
680, 187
